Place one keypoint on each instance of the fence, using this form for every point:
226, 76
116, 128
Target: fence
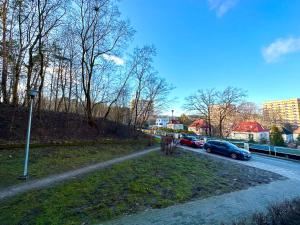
272, 150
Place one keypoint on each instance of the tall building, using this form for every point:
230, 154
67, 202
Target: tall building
286, 111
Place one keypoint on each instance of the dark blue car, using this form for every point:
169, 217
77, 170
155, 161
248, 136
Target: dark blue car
228, 149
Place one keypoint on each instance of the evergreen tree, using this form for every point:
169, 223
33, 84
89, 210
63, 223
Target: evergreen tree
276, 137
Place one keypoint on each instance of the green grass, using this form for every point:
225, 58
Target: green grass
56, 159
154, 181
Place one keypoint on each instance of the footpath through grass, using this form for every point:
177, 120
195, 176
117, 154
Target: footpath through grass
45, 161
154, 181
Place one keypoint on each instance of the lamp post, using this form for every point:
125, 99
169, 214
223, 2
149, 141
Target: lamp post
172, 114
32, 93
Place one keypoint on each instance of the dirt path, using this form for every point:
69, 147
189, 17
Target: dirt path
227, 207
45, 182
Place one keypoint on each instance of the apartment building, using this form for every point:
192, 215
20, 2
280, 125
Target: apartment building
286, 111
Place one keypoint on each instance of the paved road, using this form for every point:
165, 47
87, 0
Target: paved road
287, 168
53, 179
227, 207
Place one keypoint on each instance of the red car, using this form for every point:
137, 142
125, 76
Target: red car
192, 142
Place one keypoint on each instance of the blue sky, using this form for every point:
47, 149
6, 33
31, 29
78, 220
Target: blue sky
250, 44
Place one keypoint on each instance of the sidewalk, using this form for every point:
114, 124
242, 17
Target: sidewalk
53, 179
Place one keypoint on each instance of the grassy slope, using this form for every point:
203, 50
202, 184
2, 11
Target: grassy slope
154, 181
52, 160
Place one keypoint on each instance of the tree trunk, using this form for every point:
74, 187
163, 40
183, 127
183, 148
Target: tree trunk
70, 87
221, 127
29, 75
4, 53
16, 84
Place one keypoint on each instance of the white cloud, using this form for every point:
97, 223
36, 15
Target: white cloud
280, 47
117, 60
221, 7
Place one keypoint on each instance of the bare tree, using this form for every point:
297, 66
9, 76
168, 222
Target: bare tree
69, 56
155, 94
4, 15
100, 31
141, 73
248, 111
203, 103
227, 103
272, 117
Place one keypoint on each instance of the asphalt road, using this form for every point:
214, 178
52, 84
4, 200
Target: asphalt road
287, 168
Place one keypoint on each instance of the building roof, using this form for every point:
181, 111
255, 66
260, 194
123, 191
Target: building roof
174, 122
200, 123
297, 131
254, 127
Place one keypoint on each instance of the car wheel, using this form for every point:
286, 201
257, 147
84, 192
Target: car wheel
233, 156
208, 150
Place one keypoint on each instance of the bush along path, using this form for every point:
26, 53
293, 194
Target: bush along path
53, 179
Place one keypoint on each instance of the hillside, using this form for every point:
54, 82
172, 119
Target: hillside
54, 126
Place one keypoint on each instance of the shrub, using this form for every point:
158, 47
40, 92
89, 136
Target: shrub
280, 214
188, 132
263, 141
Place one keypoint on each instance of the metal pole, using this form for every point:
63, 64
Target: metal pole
25, 174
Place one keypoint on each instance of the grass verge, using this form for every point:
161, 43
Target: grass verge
154, 181
49, 160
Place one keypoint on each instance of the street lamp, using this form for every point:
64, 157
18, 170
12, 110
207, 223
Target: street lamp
172, 114
32, 93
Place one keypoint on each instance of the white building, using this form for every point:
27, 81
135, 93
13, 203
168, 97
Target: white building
250, 131
175, 125
296, 134
162, 122
287, 135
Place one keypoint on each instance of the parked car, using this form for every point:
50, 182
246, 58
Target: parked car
192, 141
228, 149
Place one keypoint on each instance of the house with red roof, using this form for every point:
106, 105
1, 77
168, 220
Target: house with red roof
199, 127
250, 130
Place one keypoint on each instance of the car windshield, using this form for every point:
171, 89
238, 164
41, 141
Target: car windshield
193, 138
231, 145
